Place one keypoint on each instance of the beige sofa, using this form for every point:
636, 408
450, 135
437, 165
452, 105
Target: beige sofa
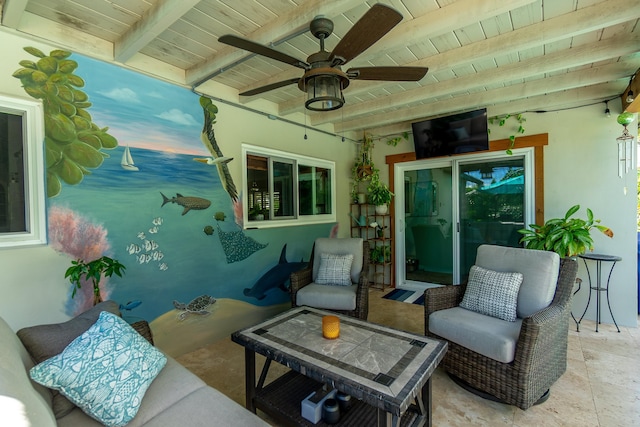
176, 396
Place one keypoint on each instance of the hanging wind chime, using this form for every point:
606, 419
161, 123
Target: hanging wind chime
624, 144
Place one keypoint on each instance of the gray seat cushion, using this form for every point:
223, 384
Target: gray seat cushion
539, 270
486, 335
328, 296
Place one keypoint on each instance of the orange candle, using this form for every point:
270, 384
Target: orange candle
331, 327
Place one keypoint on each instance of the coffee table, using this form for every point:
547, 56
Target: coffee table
386, 371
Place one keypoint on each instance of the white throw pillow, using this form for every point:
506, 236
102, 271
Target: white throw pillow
492, 293
335, 269
105, 371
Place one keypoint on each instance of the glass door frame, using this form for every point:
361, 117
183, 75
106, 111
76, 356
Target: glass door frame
399, 215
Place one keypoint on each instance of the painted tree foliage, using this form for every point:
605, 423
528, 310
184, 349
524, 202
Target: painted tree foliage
73, 143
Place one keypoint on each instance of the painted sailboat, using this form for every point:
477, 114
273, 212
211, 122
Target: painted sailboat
127, 160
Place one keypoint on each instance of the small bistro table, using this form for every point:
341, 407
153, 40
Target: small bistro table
599, 259
386, 371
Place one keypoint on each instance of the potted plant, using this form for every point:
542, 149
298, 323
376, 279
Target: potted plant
256, 213
93, 270
379, 195
377, 254
566, 236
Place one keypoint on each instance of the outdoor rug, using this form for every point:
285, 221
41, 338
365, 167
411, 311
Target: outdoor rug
403, 295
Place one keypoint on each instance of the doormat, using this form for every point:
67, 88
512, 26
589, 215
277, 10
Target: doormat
403, 295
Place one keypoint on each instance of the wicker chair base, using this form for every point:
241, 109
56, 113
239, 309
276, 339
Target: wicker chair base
483, 394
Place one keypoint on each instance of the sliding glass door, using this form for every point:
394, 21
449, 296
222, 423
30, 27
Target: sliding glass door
428, 241
445, 209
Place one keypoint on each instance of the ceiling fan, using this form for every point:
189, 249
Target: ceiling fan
323, 78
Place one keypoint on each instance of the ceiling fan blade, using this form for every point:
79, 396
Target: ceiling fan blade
374, 24
267, 88
259, 49
401, 74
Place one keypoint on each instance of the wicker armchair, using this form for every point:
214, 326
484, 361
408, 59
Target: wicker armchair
304, 277
540, 351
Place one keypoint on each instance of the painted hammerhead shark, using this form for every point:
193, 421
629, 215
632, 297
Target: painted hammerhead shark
276, 277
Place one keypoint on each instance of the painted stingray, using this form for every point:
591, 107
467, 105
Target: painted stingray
237, 246
276, 277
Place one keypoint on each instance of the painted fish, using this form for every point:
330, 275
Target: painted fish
276, 277
187, 202
130, 305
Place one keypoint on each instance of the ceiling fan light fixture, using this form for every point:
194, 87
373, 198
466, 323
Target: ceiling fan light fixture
324, 92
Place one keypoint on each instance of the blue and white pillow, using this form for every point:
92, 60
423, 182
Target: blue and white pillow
105, 371
334, 269
492, 293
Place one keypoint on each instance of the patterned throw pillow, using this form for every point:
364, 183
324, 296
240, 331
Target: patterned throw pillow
105, 371
492, 293
335, 269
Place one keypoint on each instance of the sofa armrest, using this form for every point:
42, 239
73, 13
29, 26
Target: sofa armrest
545, 332
299, 279
142, 327
441, 298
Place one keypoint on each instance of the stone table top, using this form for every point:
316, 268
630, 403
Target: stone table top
384, 367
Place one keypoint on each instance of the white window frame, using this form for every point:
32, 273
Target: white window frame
297, 159
34, 171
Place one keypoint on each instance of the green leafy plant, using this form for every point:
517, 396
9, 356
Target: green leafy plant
502, 121
395, 140
380, 254
363, 168
379, 193
93, 270
566, 236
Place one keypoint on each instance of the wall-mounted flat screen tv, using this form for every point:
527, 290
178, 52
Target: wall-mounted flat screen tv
454, 134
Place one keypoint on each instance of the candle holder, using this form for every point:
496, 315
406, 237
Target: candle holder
330, 327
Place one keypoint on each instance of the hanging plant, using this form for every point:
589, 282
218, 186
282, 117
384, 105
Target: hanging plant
394, 141
363, 168
502, 121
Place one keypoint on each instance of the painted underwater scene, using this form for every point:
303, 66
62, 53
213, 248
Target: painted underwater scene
167, 251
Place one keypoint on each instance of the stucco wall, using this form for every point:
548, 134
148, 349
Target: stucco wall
581, 167
33, 287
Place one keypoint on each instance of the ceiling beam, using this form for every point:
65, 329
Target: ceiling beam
12, 12
565, 26
538, 104
157, 19
279, 28
613, 47
557, 83
454, 16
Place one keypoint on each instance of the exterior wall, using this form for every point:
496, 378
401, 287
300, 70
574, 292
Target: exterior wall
581, 167
33, 287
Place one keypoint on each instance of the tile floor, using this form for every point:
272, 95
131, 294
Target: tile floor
600, 388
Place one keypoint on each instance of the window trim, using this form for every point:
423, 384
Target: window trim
33, 156
297, 160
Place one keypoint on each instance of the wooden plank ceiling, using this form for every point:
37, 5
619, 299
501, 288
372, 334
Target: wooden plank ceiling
507, 55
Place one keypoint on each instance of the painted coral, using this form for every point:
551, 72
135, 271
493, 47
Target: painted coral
76, 236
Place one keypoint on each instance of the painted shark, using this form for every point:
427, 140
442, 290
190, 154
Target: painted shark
187, 203
276, 277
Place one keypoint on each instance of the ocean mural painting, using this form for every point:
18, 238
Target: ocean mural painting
134, 171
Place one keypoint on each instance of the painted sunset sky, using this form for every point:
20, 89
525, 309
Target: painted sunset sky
136, 112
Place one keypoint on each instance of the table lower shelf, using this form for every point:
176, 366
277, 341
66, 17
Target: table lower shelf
281, 400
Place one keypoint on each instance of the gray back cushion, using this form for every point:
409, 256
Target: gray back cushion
539, 270
325, 245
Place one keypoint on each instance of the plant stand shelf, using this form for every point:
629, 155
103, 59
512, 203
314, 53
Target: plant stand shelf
380, 270
281, 400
